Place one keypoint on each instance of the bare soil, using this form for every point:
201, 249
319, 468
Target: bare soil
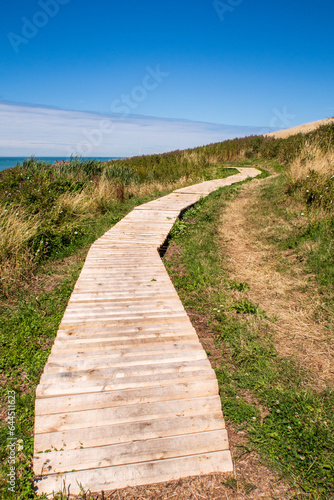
289, 297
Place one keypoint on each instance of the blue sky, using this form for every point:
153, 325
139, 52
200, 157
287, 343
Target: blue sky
240, 63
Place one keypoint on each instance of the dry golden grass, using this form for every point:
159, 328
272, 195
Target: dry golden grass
312, 157
306, 127
16, 228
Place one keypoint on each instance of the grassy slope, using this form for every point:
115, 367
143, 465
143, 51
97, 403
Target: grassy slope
68, 207
263, 393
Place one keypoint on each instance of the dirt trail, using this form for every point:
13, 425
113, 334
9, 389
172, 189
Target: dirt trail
280, 294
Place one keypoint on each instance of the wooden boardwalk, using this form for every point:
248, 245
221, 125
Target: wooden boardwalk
128, 396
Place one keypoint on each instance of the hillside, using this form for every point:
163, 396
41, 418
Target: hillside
253, 265
301, 129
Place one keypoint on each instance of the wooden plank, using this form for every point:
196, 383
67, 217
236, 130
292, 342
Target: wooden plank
130, 330
107, 297
109, 399
124, 321
128, 413
103, 435
86, 387
131, 453
121, 307
123, 344
109, 478
73, 365
124, 371
128, 355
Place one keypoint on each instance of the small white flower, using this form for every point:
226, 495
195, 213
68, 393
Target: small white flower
302, 213
307, 190
76, 232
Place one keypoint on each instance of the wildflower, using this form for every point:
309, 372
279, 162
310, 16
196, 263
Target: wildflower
302, 458
307, 190
76, 232
302, 213
253, 418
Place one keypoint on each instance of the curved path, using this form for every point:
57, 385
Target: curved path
128, 396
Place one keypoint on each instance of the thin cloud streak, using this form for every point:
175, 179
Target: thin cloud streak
43, 131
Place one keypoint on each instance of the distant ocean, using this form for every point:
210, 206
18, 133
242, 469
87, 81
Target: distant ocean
7, 162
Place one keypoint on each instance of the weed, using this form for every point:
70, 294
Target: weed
242, 286
245, 307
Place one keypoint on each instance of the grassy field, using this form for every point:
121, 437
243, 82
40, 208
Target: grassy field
51, 214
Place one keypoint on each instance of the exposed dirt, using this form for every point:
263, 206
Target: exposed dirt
291, 298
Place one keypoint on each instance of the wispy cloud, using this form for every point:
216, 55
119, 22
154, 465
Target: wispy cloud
44, 131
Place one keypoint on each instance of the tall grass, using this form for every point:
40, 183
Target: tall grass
45, 208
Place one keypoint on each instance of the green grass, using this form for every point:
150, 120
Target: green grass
296, 435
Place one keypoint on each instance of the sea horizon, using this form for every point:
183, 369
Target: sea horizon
12, 161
